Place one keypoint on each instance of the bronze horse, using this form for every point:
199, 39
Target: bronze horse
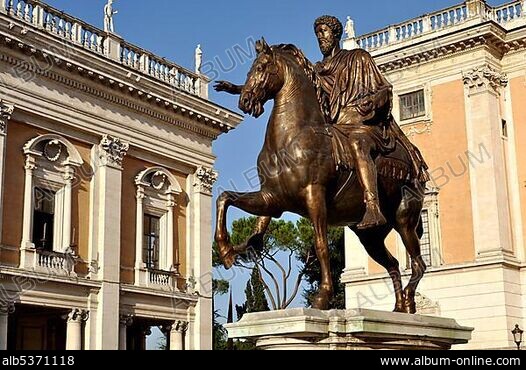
298, 174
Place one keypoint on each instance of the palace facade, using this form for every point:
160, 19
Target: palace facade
459, 77
106, 172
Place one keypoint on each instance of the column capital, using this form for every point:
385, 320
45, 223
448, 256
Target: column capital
483, 78
7, 307
126, 320
77, 315
6, 110
180, 326
112, 151
205, 179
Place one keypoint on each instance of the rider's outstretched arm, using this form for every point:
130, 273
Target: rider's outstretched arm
228, 87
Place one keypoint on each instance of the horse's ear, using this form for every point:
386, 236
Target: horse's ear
262, 46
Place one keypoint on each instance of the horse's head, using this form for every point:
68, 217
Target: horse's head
263, 82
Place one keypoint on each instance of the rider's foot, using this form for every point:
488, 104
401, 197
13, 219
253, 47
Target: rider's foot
373, 216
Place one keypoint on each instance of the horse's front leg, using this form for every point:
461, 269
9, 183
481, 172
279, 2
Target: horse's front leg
317, 208
258, 203
256, 241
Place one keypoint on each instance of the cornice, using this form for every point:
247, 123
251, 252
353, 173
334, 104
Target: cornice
490, 35
205, 120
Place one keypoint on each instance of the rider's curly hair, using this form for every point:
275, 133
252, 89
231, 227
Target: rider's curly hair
333, 23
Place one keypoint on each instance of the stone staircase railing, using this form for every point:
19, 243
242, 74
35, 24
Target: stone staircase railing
78, 32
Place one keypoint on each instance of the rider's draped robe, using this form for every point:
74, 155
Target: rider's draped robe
357, 99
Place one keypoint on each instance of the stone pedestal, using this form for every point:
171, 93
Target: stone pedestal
309, 329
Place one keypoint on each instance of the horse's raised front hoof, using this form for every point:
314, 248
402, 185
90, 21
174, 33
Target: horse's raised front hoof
228, 260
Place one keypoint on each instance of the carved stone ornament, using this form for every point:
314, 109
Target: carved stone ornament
484, 77
205, 179
78, 315
6, 111
113, 150
158, 180
53, 150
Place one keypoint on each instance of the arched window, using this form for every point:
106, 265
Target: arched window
157, 190
51, 163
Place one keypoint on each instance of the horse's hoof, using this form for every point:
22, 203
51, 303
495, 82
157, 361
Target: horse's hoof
399, 308
410, 308
229, 260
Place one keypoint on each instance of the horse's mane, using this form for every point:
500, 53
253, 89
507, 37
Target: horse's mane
300, 57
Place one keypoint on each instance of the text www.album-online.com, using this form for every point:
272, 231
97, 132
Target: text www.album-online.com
445, 361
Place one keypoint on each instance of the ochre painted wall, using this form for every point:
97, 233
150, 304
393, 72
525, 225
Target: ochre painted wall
518, 98
132, 167
445, 151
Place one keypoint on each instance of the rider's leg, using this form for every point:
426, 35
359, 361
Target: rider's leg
361, 150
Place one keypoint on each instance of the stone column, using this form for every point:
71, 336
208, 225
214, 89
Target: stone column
6, 308
69, 176
5, 115
107, 222
27, 247
487, 167
125, 321
201, 259
74, 329
177, 335
170, 234
139, 263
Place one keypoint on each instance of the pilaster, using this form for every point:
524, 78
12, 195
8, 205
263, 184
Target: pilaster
6, 110
487, 167
106, 238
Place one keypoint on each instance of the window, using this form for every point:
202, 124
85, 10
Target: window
504, 128
156, 251
412, 105
51, 162
425, 241
430, 242
152, 241
43, 219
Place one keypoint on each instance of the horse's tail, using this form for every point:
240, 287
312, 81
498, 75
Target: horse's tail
420, 228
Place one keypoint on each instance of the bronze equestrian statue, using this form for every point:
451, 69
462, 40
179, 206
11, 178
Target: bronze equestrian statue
333, 153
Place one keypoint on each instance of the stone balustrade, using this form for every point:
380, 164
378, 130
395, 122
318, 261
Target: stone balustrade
438, 21
60, 263
74, 30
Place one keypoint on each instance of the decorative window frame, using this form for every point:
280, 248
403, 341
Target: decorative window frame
51, 163
431, 205
427, 119
157, 190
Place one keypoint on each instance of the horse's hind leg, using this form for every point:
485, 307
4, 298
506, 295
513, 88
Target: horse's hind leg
407, 221
374, 242
257, 203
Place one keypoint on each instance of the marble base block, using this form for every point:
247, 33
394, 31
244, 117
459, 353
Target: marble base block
310, 329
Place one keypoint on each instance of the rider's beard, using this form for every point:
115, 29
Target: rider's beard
326, 47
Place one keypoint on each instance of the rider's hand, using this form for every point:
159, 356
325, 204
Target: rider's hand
366, 106
224, 86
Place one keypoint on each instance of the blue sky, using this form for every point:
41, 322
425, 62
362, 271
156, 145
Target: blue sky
172, 29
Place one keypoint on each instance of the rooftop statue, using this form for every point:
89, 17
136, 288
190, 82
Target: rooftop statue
333, 153
108, 17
